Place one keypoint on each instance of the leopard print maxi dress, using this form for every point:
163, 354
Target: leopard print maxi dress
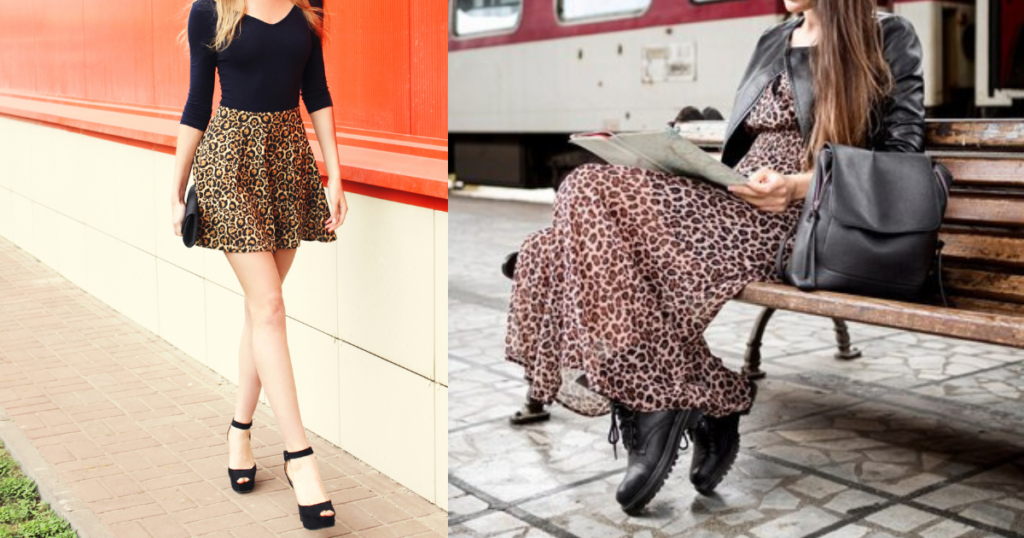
612, 300
257, 183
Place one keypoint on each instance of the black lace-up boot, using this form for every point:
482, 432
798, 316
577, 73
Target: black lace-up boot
652, 441
716, 442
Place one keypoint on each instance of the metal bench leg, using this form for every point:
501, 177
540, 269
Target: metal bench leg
752, 359
845, 352
532, 411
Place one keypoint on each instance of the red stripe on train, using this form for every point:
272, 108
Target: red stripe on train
538, 21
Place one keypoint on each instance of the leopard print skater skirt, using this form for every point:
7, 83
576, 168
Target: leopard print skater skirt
257, 182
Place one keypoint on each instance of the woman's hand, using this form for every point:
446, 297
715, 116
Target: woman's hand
177, 215
337, 203
768, 190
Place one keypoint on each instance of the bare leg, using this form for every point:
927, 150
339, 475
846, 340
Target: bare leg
257, 272
239, 449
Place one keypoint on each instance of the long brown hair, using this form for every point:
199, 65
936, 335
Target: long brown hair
851, 77
229, 16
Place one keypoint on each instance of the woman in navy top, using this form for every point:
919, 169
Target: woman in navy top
260, 194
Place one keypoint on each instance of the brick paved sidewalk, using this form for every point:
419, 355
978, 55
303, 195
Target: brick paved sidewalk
137, 428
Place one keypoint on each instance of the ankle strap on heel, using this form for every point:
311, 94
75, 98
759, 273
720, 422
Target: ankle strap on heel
298, 454
241, 426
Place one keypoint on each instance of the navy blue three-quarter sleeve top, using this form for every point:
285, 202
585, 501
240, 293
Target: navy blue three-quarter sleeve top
263, 69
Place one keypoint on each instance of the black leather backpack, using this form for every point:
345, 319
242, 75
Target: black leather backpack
870, 224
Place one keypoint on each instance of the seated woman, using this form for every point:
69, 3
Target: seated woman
609, 304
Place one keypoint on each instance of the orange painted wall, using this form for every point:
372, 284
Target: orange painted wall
386, 59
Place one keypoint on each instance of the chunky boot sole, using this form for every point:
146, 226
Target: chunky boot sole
708, 487
685, 421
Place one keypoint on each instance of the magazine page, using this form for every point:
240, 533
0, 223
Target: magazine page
679, 156
607, 147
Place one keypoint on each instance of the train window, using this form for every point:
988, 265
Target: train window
573, 10
486, 16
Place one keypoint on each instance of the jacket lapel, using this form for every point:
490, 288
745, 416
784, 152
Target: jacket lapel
768, 61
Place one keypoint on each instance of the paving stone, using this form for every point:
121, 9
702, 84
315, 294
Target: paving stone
585, 527
779, 499
465, 504
850, 500
492, 524
901, 518
799, 523
849, 531
816, 487
946, 529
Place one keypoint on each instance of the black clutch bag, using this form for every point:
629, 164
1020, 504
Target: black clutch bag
870, 224
190, 224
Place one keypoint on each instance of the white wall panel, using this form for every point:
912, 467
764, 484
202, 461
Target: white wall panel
441, 298
45, 235
385, 281
135, 271
134, 185
225, 319
311, 286
441, 445
182, 312
315, 367
386, 410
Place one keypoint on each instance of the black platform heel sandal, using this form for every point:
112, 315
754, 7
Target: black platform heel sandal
235, 474
310, 515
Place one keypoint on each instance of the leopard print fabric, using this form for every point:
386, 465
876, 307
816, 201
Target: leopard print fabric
612, 300
257, 183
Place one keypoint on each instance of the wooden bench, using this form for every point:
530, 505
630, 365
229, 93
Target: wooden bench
982, 261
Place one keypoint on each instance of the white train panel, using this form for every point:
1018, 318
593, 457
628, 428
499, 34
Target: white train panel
585, 83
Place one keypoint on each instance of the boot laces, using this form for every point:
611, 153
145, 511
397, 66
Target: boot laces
625, 416
689, 433
703, 429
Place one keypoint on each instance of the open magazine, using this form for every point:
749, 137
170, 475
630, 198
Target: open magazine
662, 151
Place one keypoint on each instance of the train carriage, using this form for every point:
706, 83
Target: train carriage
523, 74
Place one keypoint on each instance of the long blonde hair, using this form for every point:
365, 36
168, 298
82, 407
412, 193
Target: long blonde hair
851, 77
229, 17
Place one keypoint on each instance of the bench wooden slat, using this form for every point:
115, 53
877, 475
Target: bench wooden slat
985, 305
995, 328
1000, 134
985, 210
984, 284
985, 172
976, 249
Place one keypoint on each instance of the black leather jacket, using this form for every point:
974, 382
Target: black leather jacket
902, 116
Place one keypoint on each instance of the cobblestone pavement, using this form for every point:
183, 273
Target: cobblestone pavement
922, 437
137, 428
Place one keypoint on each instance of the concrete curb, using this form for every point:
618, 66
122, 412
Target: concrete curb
505, 194
52, 488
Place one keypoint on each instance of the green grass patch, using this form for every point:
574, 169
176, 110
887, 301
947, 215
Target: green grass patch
22, 514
